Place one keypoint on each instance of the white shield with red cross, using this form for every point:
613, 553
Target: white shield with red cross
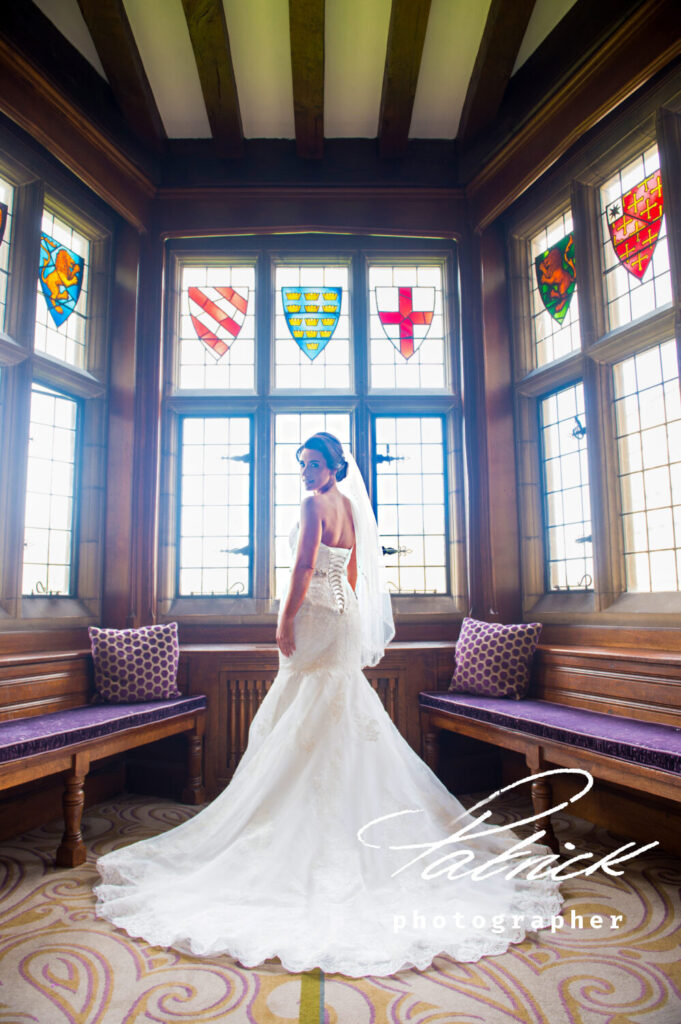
218, 315
406, 314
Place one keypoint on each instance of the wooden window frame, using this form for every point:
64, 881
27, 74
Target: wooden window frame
39, 185
578, 186
359, 402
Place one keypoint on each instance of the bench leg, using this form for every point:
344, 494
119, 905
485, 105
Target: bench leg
71, 851
431, 747
194, 792
542, 798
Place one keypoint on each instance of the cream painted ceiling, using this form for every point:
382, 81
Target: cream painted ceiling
355, 42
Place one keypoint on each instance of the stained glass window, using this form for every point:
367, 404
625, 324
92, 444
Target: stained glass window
553, 291
50, 494
215, 506
648, 421
567, 512
291, 429
6, 204
217, 328
410, 501
61, 310
312, 328
635, 253
309, 369
406, 327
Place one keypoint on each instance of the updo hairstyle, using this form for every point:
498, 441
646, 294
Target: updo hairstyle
332, 450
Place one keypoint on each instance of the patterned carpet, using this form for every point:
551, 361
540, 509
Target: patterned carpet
59, 964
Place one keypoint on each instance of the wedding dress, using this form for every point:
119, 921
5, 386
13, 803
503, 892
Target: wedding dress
273, 867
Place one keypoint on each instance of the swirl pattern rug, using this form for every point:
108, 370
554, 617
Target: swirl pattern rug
59, 964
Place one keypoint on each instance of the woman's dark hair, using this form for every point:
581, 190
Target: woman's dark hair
332, 450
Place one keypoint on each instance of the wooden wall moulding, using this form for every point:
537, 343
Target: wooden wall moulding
39, 683
647, 42
645, 685
31, 644
639, 642
53, 120
268, 210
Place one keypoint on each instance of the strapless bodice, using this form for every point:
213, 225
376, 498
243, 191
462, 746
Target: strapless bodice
330, 575
329, 558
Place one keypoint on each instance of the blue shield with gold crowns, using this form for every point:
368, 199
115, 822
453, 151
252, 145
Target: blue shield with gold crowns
312, 315
61, 277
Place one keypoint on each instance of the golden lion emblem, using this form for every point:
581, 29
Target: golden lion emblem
63, 277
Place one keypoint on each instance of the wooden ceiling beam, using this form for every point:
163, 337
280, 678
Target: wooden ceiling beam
114, 41
306, 20
407, 33
504, 32
210, 41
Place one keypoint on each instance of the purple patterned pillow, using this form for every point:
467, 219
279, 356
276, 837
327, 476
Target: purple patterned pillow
134, 665
494, 660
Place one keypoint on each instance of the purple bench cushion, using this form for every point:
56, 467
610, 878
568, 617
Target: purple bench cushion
25, 736
646, 743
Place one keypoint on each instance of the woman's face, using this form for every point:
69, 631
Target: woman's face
315, 471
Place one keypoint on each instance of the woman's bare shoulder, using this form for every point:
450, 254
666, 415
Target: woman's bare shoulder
312, 505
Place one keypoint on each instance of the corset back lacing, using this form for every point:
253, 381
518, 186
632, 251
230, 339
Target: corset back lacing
335, 572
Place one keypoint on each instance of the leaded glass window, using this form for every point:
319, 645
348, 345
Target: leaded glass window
565, 474
410, 501
648, 427
634, 233
291, 429
6, 206
216, 339
313, 348
406, 327
554, 306
215, 548
312, 341
50, 494
61, 310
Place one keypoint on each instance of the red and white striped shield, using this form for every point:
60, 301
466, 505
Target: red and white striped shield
218, 315
406, 315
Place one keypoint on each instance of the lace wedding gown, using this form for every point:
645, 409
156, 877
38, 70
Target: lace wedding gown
273, 866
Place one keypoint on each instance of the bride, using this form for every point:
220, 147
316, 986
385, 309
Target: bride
322, 849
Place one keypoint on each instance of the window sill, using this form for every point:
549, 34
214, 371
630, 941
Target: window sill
11, 353
52, 608
50, 613
256, 611
632, 609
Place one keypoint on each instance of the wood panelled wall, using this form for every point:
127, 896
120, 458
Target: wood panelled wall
43, 670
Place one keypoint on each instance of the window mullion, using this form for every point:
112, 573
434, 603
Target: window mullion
361, 426
262, 444
262, 449
13, 484
22, 296
603, 491
604, 485
520, 287
586, 219
669, 142
531, 490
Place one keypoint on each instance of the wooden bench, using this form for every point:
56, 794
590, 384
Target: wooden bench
642, 755
68, 741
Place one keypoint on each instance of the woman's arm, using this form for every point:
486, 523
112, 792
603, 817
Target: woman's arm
301, 574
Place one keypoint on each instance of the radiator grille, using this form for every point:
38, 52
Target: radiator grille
242, 695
